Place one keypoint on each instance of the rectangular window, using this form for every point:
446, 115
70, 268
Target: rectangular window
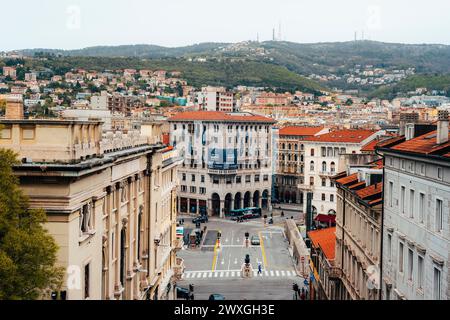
193, 190
183, 177
402, 199
410, 264
331, 197
400, 257
437, 284
323, 196
238, 179
439, 209
421, 207
420, 272
389, 247
411, 203
439, 173
202, 179
266, 177
391, 193
248, 178
257, 178
193, 178
86, 282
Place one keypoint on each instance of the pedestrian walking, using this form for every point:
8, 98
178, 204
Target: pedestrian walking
303, 295
259, 268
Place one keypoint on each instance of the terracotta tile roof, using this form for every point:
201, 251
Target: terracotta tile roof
348, 179
425, 144
389, 142
219, 116
357, 185
299, 131
347, 135
326, 240
370, 190
370, 146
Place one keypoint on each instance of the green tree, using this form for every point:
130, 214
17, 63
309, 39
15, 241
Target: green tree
27, 251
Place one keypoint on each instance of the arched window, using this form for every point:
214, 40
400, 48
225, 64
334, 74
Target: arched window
284, 146
311, 166
296, 158
296, 147
324, 166
332, 167
302, 147
289, 146
312, 152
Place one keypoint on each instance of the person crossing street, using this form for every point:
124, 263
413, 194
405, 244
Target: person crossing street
259, 268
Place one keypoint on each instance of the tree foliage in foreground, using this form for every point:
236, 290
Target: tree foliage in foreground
27, 251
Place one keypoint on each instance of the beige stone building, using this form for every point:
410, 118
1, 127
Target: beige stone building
110, 203
358, 232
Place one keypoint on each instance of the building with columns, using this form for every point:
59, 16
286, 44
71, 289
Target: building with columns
110, 203
227, 161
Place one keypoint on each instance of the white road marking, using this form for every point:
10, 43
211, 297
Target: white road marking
288, 273
255, 273
205, 275
216, 274
266, 273
221, 274
188, 275
210, 275
277, 273
232, 274
271, 273
226, 274
282, 273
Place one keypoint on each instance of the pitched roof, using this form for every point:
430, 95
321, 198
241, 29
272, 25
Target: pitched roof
347, 135
425, 144
348, 179
370, 146
299, 131
219, 116
326, 240
370, 190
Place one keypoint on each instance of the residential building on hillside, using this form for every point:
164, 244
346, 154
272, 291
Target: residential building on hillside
227, 161
215, 99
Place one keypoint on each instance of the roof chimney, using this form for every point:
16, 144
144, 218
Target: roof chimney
442, 127
14, 109
410, 117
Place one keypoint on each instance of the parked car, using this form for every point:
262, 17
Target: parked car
216, 296
183, 293
201, 219
255, 241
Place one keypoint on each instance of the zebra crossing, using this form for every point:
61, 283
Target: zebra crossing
237, 274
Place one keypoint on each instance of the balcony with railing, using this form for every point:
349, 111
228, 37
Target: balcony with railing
178, 268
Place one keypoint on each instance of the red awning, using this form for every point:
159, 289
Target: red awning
326, 218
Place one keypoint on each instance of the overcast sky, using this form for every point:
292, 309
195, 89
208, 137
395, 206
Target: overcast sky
71, 24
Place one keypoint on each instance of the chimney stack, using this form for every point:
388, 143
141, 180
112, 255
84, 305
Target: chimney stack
442, 127
410, 117
14, 109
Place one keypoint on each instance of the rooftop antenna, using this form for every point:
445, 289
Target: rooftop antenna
273, 34
356, 36
257, 37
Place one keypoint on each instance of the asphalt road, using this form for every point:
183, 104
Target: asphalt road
218, 269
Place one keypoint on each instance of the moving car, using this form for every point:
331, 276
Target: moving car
216, 296
255, 241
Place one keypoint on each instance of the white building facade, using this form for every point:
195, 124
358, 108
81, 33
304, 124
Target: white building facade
322, 157
227, 161
416, 241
